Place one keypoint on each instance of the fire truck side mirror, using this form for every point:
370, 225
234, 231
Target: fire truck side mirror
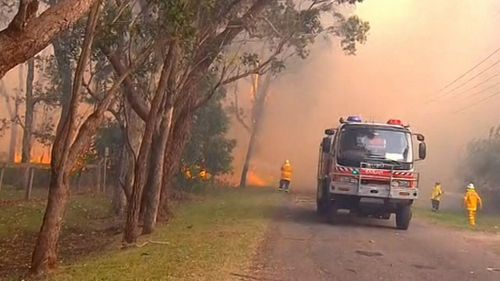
422, 150
326, 145
420, 137
330, 132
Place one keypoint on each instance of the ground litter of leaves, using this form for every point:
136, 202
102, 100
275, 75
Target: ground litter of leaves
89, 229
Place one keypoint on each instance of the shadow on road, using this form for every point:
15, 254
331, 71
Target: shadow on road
305, 213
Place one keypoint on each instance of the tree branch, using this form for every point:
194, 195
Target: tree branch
89, 127
17, 46
271, 25
201, 102
261, 68
139, 104
67, 124
208, 51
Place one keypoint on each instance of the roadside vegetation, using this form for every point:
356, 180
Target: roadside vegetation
212, 236
455, 219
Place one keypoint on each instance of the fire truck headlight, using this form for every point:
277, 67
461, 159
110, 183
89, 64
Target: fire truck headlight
347, 179
400, 184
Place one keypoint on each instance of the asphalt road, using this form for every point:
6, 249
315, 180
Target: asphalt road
299, 246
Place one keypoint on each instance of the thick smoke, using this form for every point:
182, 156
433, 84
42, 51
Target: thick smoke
414, 49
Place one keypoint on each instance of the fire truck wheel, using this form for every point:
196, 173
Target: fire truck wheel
331, 212
320, 207
321, 198
403, 217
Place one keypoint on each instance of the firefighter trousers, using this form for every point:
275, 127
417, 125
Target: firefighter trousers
472, 217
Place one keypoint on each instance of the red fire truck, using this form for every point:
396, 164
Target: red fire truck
369, 169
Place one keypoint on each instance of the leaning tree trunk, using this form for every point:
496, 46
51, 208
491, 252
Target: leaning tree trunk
66, 148
28, 123
143, 159
161, 100
151, 197
257, 119
140, 178
179, 137
45, 254
133, 131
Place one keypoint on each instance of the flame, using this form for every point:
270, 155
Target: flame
35, 159
17, 158
255, 180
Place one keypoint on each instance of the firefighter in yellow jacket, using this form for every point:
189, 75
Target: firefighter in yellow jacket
472, 202
436, 197
286, 176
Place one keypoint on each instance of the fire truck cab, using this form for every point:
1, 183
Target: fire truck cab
368, 169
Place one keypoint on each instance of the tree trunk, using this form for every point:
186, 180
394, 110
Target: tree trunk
119, 199
45, 254
257, 119
133, 132
28, 122
140, 179
162, 99
143, 159
151, 197
179, 137
248, 157
64, 154
17, 45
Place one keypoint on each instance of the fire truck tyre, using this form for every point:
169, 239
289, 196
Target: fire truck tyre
320, 207
321, 198
403, 217
331, 212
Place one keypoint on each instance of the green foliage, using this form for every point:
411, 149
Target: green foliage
481, 164
209, 146
352, 30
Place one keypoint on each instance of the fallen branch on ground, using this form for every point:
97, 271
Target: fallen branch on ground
140, 245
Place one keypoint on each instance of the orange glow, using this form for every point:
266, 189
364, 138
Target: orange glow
35, 159
17, 158
255, 180
43, 159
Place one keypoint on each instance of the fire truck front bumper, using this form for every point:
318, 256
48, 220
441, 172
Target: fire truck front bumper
376, 191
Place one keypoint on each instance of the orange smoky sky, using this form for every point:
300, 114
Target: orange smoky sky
414, 48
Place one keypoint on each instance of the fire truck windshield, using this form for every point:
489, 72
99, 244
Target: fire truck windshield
372, 144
